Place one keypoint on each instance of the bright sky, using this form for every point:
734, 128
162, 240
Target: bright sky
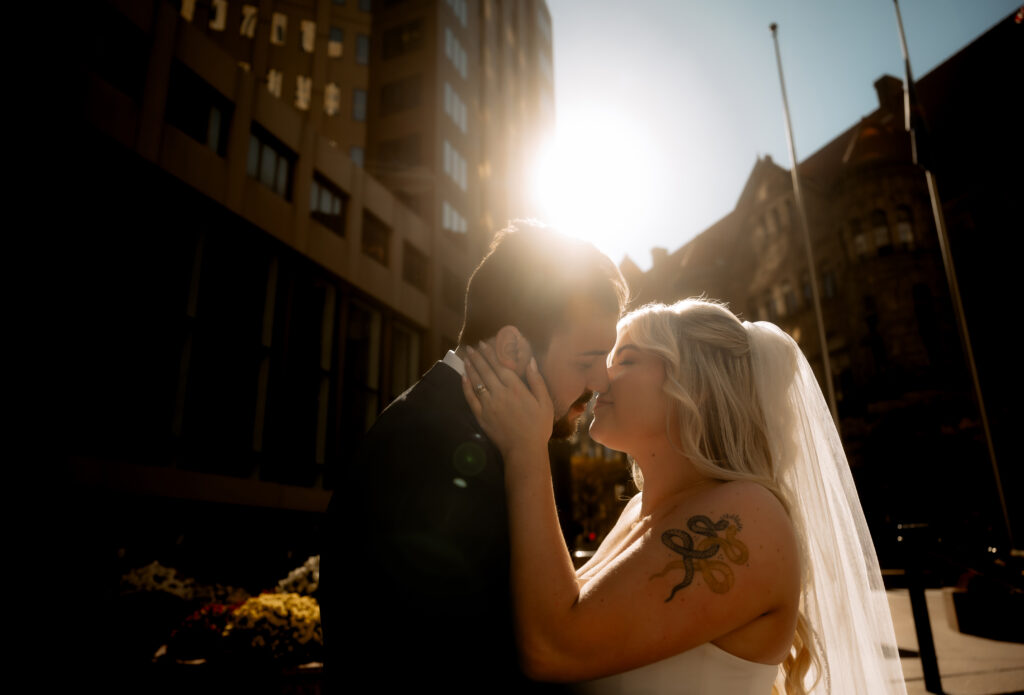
664, 106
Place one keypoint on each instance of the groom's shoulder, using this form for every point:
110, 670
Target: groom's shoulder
433, 409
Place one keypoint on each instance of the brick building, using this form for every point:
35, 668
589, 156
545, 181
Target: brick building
908, 417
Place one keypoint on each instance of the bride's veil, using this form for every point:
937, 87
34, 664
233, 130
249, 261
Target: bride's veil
843, 597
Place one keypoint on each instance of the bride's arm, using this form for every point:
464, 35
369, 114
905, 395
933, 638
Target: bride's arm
642, 606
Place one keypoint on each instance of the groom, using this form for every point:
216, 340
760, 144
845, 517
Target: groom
416, 563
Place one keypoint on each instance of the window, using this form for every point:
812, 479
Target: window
400, 95
362, 371
405, 358
270, 162
452, 220
880, 231
403, 39
376, 239
461, 11
307, 35
275, 80
278, 28
197, 109
303, 91
355, 153
250, 16
859, 239
327, 204
359, 104
366, 5
456, 54
332, 99
219, 15
362, 49
455, 107
335, 42
455, 165
415, 267
904, 227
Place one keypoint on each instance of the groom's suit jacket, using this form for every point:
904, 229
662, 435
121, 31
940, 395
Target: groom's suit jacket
419, 548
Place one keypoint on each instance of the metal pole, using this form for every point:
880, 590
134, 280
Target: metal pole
802, 212
954, 287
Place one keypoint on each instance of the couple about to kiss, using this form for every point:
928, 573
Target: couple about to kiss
742, 566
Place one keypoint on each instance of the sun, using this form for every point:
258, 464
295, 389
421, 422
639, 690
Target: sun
598, 179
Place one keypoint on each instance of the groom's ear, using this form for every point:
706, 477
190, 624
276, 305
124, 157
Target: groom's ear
514, 351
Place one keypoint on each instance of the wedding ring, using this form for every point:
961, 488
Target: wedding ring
479, 388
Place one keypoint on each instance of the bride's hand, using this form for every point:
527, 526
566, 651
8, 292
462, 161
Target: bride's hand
513, 414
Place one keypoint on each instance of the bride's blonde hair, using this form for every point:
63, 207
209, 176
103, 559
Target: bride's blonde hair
717, 422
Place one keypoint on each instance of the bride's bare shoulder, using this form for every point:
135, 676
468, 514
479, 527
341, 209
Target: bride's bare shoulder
753, 511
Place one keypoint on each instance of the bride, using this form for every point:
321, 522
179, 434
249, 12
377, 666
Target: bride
743, 563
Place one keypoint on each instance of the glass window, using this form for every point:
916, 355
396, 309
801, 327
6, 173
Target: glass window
366, 5
252, 164
197, 109
405, 359
307, 35
278, 28
268, 165
332, 99
356, 154
250, 15
219, 16
327, 204
880, 230
376, 239
362, 370
362, 49
270, 162
904, 226
359, 104
335, 42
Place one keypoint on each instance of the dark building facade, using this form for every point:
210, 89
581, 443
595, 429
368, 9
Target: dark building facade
271, 212
908, 416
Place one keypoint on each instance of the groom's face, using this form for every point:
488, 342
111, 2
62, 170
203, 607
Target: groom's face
574, 364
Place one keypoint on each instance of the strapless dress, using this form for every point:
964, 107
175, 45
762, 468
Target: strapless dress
704, 670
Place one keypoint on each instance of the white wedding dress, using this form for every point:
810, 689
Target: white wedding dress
843, 598
704, 670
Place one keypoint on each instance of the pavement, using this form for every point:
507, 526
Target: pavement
968, 665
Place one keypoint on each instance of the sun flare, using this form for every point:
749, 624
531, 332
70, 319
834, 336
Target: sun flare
598, 179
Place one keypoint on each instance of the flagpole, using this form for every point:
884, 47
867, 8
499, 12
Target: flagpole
923, 158
805, 227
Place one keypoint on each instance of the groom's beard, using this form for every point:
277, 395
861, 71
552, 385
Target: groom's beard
567, 425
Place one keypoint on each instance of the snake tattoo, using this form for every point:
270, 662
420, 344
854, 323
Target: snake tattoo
700, 555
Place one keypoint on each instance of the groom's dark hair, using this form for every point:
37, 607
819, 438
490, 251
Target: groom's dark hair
529, 277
